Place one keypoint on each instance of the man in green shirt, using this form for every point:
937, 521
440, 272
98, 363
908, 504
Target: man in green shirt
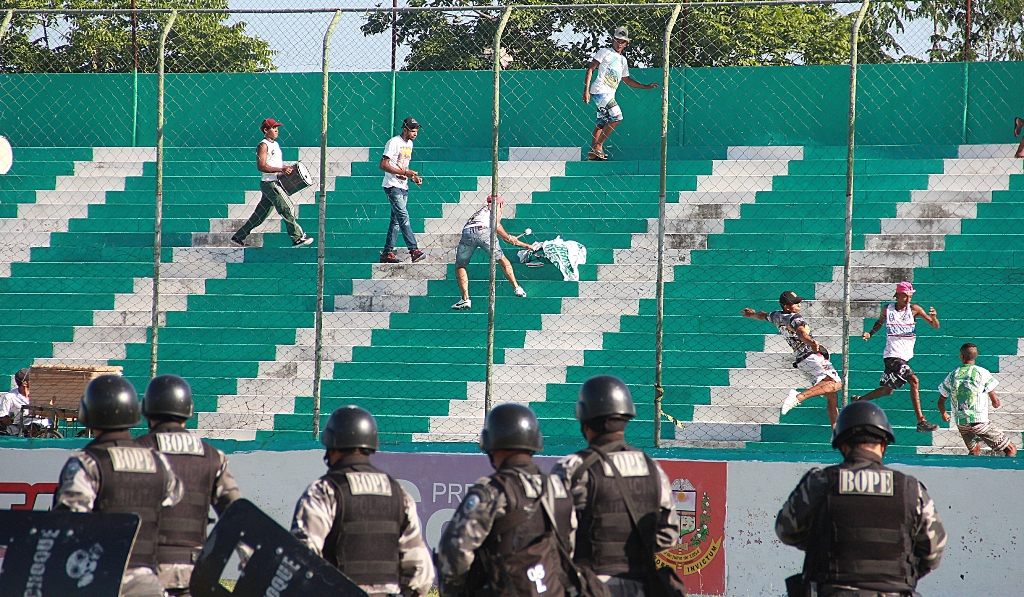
966, 387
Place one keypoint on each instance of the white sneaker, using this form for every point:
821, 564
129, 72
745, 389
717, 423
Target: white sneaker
463, 305
520, 292
790, 402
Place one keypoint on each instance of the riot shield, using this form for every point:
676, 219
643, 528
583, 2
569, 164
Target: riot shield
64, 553
278, 564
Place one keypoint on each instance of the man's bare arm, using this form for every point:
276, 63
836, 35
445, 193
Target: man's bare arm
752, 314
630, 81
878, 325
586, 80
995, 400
805, 337
931, 316
261, 162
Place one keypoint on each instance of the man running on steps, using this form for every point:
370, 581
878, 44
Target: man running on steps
476, 234
900, 336
808, 356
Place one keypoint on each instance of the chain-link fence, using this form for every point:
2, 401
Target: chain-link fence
721, 172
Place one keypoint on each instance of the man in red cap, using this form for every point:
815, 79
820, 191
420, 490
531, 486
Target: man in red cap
270, 163
476, 234
899, 319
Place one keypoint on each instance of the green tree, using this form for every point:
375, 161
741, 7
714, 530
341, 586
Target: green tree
102, 43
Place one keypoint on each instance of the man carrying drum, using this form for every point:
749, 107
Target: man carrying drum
270, 163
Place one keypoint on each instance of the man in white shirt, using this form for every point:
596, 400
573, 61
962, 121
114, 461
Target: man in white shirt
612, 68
270, 162
11, 403
395, 164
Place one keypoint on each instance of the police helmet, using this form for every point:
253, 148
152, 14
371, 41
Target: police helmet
348, 428
168, 395
511, 427
109, 402
604, 396
859, 419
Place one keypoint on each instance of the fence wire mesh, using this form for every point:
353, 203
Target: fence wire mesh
754, 181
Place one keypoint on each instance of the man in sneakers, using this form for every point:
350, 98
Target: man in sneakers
808, 356
899, 319
270, 163
476, 234
395, 164
970, 389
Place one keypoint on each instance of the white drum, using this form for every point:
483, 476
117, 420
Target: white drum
296, 181
6, 156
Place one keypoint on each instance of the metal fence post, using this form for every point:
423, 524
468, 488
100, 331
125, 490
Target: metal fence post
321, 250
492, 268
848, 233
659, 327
158, 219
6, 24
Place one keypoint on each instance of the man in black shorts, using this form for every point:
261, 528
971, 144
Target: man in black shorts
899, 319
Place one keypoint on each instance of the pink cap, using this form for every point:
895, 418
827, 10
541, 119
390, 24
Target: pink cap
905, 288
501, 201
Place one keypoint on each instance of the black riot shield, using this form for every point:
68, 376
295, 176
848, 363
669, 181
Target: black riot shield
64, 553
279, 564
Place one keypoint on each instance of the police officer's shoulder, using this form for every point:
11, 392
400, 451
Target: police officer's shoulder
80, 460
484, 491
567, 465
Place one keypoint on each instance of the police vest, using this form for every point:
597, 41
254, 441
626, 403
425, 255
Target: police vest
861, 536
363, 542
606, 540
183, 526
520, 557
132, 480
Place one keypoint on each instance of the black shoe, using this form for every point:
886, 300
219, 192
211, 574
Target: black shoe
239, 243
389, 258
924, 426
417, 255
302, 242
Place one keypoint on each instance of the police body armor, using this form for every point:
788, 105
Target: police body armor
861, 537
605, 539
183, 526
132, 480
520, 556
363, 542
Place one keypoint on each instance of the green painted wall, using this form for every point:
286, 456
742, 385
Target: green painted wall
898, 104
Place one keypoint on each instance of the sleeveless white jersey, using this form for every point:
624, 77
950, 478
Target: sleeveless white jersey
481, 219
900, 330
274, 159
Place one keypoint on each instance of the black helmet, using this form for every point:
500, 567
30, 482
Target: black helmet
348, 428
862, 417
109, 402
168, 395
511, 427
603, 396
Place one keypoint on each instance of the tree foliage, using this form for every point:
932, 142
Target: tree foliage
103, 43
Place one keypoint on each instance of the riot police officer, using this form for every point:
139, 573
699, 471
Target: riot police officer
867, 530
359, 518
203, 470
503, 539
606, 539
114, 473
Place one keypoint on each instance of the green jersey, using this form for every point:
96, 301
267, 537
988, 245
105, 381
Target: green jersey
967, 387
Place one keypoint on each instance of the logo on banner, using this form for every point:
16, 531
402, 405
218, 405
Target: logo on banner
696, 548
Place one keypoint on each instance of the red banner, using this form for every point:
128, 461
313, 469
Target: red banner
699, 492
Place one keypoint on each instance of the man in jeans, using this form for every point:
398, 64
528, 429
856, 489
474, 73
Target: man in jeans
395, 164
476, 234
270, 163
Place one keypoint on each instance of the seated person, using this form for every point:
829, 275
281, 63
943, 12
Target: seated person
12, 411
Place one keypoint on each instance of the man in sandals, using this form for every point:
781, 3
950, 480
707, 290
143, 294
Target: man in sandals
611, 67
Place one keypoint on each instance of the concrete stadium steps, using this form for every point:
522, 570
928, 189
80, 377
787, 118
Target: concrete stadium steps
68, 198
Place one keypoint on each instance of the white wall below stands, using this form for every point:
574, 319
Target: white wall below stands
979, 507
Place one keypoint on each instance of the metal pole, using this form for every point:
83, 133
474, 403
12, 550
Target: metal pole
321, 250
492, 264
135, 74
659, 326
394, 63
848, 233
158, 219
6, 24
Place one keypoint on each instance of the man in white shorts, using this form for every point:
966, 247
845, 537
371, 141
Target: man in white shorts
476, 234
808, 356
899, 319
971, 389
611, 67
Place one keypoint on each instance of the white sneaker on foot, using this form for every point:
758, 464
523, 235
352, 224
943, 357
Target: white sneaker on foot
520, 292
790, 402
463, 305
